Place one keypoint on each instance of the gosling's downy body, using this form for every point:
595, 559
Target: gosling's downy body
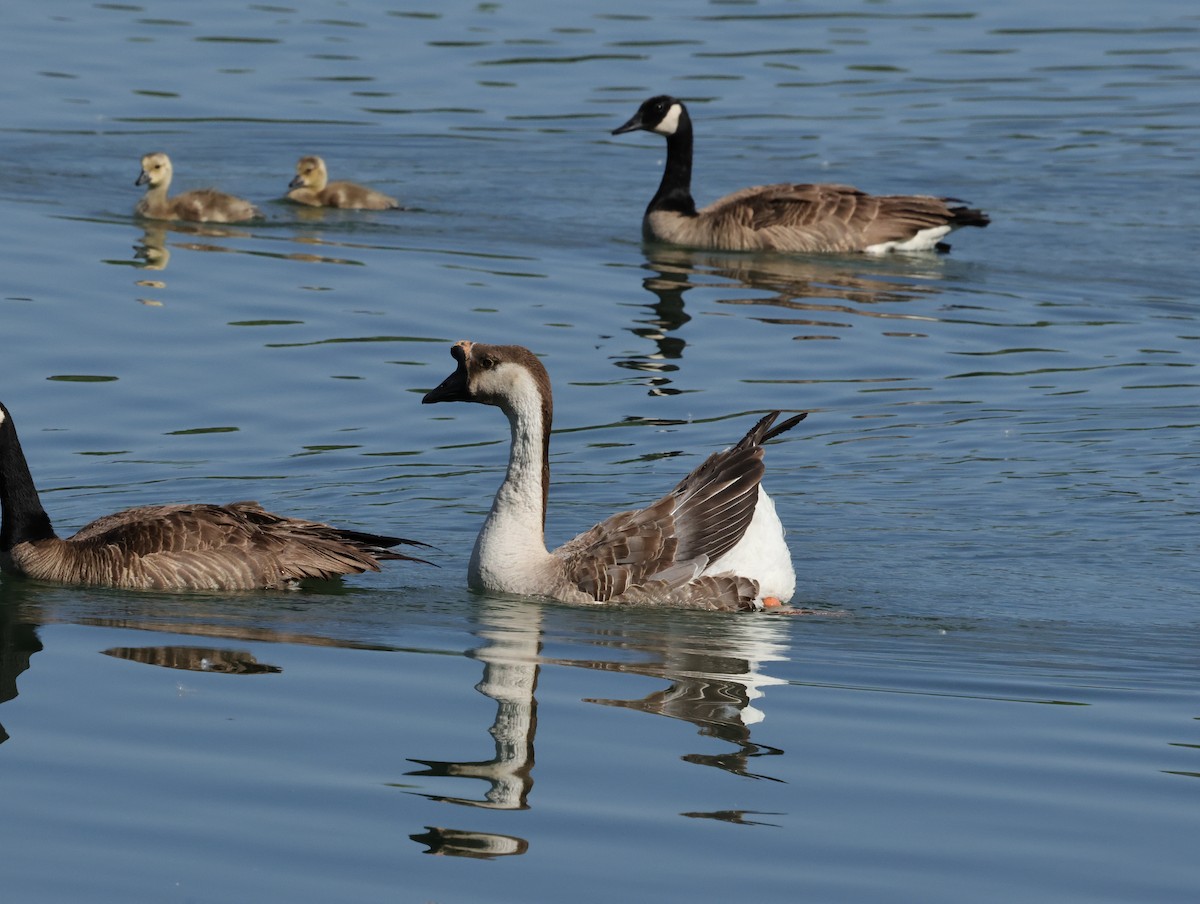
311, 186
204, 205
713, 542
785, 217
239, 546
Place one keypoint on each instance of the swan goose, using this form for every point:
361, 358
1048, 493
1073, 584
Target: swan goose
713, 542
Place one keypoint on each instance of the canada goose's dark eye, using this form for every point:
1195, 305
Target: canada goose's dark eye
487, 363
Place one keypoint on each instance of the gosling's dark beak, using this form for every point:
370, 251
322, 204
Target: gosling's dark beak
143, 178
296, 182
454, 387
633, 125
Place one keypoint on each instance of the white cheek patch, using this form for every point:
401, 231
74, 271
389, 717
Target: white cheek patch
670, 122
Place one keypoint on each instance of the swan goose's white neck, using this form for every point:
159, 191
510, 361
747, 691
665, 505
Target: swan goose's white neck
510, 552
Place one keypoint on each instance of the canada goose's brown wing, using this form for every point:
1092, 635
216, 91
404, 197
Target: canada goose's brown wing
220, 547
670, 542
816, 217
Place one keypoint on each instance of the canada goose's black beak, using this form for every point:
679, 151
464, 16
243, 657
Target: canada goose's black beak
454, 387
143, 178
633, 125
296, 182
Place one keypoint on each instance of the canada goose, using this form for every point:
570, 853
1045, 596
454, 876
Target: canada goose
174, 547
785, 217
311, 186
204, 205
713, 542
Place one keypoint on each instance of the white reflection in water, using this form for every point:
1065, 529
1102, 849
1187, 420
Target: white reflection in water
716, 682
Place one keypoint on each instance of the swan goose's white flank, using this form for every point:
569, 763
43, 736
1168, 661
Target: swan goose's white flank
239, 546
203, 205
713, 542
785, 217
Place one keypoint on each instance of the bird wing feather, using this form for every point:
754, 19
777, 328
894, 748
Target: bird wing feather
662, 548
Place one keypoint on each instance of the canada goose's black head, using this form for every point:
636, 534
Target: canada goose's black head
310, 173
156, 170
507, 376
662, 114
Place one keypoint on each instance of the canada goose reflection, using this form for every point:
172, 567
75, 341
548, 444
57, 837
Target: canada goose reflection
18, 642
476, 845
822, 291
196, 659
666, 317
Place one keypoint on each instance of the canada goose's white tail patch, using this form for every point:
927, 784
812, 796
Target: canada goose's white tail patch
925, 240
670, 122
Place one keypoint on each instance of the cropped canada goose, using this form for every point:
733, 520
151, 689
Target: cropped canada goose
204, 205
175, 547
311, 186
713, 542
784, 217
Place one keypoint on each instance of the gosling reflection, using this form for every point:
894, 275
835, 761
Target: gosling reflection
714, 683
153, 252
196, 659
511, 644
821, 296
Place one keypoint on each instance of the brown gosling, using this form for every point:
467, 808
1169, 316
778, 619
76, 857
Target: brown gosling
203, 205
311, 186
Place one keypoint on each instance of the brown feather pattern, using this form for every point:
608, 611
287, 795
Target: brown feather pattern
786, 217
627, 557
239, 546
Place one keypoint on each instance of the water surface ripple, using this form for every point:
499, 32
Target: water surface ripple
992, 505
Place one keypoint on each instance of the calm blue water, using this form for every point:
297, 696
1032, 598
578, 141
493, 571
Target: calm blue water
994, 498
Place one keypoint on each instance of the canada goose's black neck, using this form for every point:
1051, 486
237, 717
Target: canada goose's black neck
24, 518
675, 191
